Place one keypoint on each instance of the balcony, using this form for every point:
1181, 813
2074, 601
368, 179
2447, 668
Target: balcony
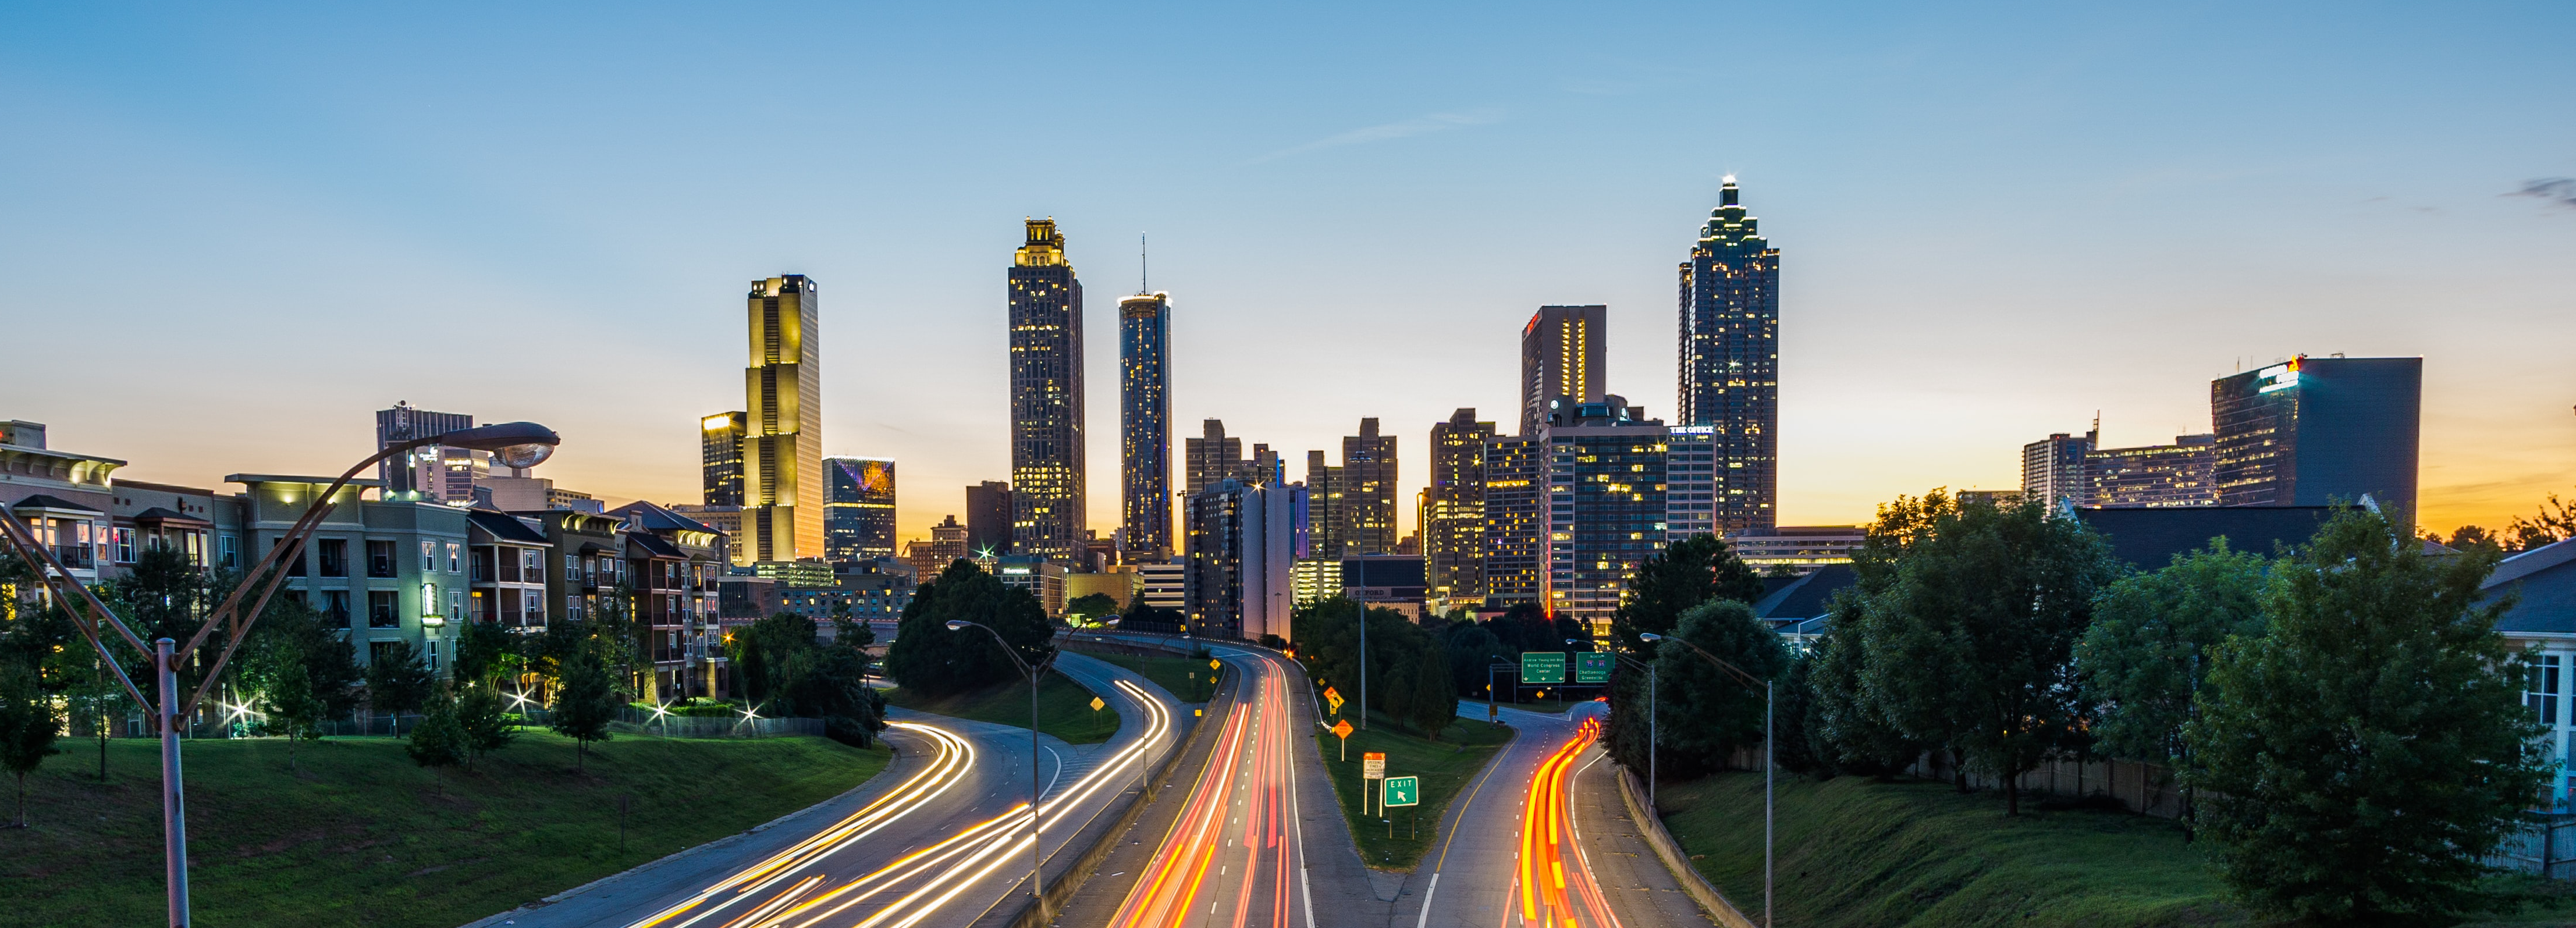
74, 557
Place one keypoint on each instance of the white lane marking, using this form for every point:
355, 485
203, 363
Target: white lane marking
1427, 893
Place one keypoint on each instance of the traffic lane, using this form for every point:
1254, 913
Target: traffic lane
1336, 888
1473, 868
1214, 849
1098, 900
1641, 891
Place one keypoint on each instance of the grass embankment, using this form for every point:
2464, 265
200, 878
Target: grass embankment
1186, 678
1064, 708
1853, 851
365, 837
1445, 766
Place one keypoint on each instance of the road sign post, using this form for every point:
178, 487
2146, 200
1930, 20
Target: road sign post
1342, 730
1372, 767
1542, 667
1095, 712
1401, 791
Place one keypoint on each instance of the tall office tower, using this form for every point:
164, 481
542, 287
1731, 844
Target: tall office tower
1262, 467
1605, 474
988, 518
858, 513
1244, 542
782, 449
1209, 458
2314, 431
1145, 420
1730, 360
720, 447
1515, 520
1325, 491
1367, 487
1453, 508
1046, 398
2052, 469
1562, 351
423, 470
1690, 481
2153, 477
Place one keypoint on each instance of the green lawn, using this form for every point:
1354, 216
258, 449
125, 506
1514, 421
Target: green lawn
1855, 852
1064, 708
364, 837
1186, 678
1445, 766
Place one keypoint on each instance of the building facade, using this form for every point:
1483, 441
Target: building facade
1730, 360
2315, 431
1797, 549
424, 472
1691, 484
1245, 542
1452, 519
858, 509
1145, 423
383, 571
946, 545
1605, 476
988, 518
720, 439
1047, 516
1563, 352
783, 451
2155, 476
2052, 469
1515, 521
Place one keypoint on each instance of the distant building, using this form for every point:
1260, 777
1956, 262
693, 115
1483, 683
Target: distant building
1355, 502
1691, 482
1515, 521
1213, 456
1242, 555
1605, 507
1452, 518
1800, 609
1039, 576
1047, 516
1798, 549
858, 510
1386, 581
1314, 579
720, 448
2314, 431
1730, 360
1145, 422
2052, 469
946, 545
1164, 585
2155, 476
1564, 353
422, 473
988, 518
2000, 499
783, 479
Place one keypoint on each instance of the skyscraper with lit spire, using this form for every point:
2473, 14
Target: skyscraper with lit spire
1145, 422
1046, 398
1730, 362
782, 446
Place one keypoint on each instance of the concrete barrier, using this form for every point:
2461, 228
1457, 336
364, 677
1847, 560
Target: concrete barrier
1651, 826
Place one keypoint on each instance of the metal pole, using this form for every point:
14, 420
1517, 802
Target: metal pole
1037, 842
1651, 737
174, 811
1363, 667
1769, 773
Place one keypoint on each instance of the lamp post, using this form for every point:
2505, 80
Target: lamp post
1650, 718
1769, 771
514, 444
1037, 846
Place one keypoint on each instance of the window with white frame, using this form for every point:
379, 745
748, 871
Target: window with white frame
2542, 697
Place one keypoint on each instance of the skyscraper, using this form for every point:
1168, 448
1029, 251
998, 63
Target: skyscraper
2052, 469
1047, 517
424, 470
1368, 492
2154, 476
782, 448
988, 518
2315, 431
1605, 479
1145, 421
1211, 457
1515, 520
1244, 546
858, 513
1453, 508
720, 446
1562, 354
1730, 360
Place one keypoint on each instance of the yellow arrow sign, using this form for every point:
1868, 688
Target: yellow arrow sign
1213, 663
1334, 700
1332, 694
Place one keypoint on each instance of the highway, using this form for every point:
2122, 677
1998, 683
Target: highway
939, 840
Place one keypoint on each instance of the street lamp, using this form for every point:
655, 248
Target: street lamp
513, 444
1769, 773
1037, 846
1650, 717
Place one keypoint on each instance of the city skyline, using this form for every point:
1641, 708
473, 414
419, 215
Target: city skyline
1943, 277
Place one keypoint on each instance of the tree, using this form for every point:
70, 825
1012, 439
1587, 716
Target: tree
2363, 756
1091, 606
303, 672
439, 741
586, 700
929, 659
1704, 714
28, 727
487, 727
1690, 572
1472, 649
1327, 634
1434, 702
768, 654
482, 652
2554, 522
2472, 536
1975, 648
397, 681
2152, 638
1844, 725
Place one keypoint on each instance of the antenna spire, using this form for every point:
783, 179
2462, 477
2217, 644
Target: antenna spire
1141, 277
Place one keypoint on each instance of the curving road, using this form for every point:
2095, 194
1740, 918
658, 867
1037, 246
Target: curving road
941, 839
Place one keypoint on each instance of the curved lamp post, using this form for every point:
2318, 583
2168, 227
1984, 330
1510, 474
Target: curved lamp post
1650, 716
1037, 846
1768, 773
513, 444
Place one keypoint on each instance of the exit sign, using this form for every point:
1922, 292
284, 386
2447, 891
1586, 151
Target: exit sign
1543, 667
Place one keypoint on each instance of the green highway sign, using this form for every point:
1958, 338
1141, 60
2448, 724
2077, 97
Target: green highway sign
1543, 667
1592, 667
1403, 791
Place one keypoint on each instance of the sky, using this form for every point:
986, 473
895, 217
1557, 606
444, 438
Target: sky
229, 233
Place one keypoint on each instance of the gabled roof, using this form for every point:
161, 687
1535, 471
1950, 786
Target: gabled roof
159, 514
43, 501
1806, 597
651, 545
654, 518
503, 526
2149, 538
2545, 578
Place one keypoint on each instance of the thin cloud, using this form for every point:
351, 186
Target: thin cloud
2557, 191
1419, 125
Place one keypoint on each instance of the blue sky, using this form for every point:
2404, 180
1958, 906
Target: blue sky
1995, 220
